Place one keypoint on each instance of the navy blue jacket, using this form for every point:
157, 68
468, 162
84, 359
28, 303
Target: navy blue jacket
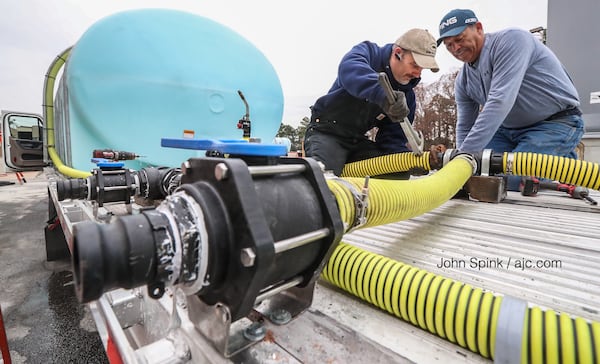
353, 104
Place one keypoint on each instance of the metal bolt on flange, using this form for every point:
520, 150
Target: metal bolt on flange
185, 167
280, 316
255, 332
221, 171
247, 257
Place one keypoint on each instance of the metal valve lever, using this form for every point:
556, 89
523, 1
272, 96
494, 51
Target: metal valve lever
414, 137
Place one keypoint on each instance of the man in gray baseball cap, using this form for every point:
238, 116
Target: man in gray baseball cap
356, 103
420, 44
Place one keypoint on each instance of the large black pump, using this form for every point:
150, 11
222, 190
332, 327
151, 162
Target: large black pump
231, 233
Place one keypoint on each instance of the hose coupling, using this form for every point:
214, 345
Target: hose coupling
449, 154
469, 158
361, 202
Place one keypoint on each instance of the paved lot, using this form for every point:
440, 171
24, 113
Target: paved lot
43, 320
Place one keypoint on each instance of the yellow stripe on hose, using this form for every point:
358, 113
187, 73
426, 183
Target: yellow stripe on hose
368, 282
380, 283
347, 263
355, 257
580, 169
450, 312
413, 292
584, 341
566, 170
461, 315
391, 163
567, 339
534, 163
545, 165
471, 326
536, 335
404, 289
432, 314
484, 325
422, 296
516, 165
588, 174
440, 308
362, 272
388, 288
396, 303
551, 337
558, 167
338, 259
596, 340
526, 162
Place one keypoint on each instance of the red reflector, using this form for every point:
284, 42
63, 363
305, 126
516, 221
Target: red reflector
112, 353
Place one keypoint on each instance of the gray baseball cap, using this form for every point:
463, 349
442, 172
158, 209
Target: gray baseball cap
422, 45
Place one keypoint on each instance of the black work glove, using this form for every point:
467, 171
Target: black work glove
397, 110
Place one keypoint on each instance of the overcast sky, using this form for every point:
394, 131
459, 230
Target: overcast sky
304, 40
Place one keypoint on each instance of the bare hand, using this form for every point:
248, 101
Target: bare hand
435, 153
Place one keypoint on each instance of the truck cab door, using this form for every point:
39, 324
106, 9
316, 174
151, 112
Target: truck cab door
22, 140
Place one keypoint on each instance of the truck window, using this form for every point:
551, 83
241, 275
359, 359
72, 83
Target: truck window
23, 142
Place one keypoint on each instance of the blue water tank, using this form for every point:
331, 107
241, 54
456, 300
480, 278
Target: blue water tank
138, 76
283, 141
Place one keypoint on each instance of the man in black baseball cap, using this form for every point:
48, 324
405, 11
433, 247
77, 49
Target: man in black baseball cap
455, 22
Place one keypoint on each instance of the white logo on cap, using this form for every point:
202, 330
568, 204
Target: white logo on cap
448, 22
470, 20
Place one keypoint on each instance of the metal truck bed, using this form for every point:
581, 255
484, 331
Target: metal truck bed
544, 250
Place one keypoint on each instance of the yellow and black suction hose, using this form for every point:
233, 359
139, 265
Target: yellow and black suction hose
566, 170
563, 169
395, 200
497, 327
51, 76
502, 328
391, 163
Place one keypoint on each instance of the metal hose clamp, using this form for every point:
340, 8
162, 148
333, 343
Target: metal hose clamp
469, 158
486, 158
510, 158
361, 202
448, 154
509, 330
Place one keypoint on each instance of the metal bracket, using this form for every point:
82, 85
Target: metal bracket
232, 337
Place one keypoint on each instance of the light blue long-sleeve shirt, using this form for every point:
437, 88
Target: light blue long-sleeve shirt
516, 82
